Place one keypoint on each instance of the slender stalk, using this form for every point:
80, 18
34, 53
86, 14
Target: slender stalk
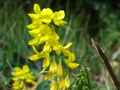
106, 61
10, 65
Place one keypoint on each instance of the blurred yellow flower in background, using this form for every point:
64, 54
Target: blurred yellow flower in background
21, 77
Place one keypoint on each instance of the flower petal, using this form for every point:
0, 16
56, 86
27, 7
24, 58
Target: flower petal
37, 8
59, 71
72, 65
46, 61
34, 32
54, 86
67, 46
67, 82
46, 15
53, 66
34, 41
36, 57
59, 22
35, 50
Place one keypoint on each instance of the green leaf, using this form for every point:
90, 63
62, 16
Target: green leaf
42, 86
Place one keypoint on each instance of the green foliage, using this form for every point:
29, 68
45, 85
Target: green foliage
83, 79
42, 86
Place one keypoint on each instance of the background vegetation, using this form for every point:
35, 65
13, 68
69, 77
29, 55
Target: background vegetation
97, 19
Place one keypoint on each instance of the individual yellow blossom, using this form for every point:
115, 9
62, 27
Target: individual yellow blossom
48, 75
30, 78
57, 18
65, 51
46, 15
57, 48
35, 41
71, 56
35, 32
61, 83
36, 23
59, 71
54, 86
46, 61
47, 48
25, 68
67, 82
37, 11
53, 66
69, 62
64, 83
72, 65
45, 29
37, 56
17, 86
53, 39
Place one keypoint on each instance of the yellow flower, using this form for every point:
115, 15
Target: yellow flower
54, 86
26, 68
44, 54
53, 66
37, 56
36, 23
45, 29
72, 65
30, 78
35, 41
17, 86
49, 75
69, 61
61, 83
64, 83
35, 32
57, 18
46, 61
47, 48
57, 48
53, 39
46, 15
40, 35
59, 71
21, 77
67, 82
37, 9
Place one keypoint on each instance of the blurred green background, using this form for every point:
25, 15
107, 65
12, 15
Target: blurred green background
86, 19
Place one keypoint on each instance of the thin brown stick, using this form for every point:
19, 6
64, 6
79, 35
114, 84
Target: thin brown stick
107, 64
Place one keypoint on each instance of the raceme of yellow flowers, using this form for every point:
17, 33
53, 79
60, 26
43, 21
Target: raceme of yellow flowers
54, 54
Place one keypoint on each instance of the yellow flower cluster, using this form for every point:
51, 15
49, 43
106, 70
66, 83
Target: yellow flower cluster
21, 77
54, 53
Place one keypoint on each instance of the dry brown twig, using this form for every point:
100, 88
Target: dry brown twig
106, 62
